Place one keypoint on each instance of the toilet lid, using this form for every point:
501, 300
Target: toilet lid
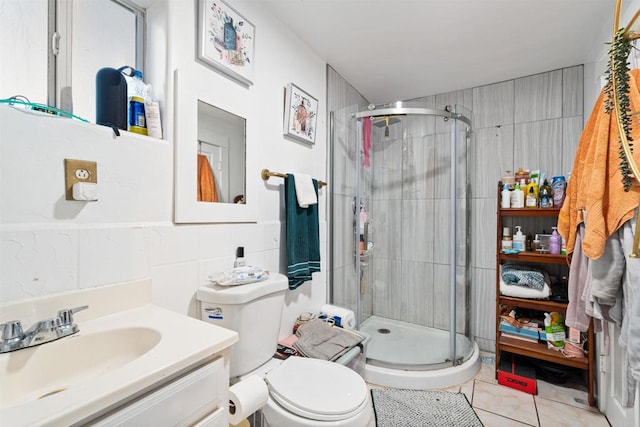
317, 389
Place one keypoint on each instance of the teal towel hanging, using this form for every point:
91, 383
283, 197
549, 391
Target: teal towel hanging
303, 236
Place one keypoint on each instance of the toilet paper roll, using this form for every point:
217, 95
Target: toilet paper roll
348, 319
246, 397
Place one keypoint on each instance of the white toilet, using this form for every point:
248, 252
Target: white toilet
302, 391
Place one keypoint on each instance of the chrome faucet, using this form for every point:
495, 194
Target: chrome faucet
13, 338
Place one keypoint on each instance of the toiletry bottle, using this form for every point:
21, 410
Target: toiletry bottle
545, 195
519, 240
533, 185
517, 196
507, 243
528, 243
136, 90
554, 242
558, 186
532, 199
239, 262
535, 244
505, 197
152, 114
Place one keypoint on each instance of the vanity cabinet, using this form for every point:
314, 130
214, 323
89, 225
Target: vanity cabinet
197, 398
534, 217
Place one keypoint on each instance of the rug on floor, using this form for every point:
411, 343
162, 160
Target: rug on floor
402, 408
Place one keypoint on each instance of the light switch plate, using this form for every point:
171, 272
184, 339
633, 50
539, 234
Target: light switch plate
78, 171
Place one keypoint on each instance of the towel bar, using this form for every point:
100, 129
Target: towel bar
266, 174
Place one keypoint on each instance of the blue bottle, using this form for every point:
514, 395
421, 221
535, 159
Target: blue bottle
558, 187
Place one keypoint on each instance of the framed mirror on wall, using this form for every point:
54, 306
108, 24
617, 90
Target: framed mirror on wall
210, 153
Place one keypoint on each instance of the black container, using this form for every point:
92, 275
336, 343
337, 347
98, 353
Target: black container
111, 98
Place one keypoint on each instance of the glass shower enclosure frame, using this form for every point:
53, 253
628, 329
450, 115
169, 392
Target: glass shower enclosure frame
365, 248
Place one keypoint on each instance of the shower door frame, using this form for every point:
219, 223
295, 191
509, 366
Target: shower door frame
453, 254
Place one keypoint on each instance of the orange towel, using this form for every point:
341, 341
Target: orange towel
206, 181
595, 185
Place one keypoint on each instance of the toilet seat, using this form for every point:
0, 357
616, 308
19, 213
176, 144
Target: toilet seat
317, 389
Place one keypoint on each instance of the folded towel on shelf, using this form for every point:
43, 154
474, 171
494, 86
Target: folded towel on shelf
303, 236
524, 292
320, 340
305, 191
521, 275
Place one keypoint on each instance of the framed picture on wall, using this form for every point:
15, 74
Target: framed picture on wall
226, 40
300, 115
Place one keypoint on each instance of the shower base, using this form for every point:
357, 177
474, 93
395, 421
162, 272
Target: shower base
404, 355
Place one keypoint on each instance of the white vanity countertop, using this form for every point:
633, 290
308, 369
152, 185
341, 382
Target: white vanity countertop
184, 342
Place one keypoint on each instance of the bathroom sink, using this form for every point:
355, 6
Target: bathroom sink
37, 372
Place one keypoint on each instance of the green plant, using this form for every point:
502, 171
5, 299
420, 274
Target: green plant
617, 90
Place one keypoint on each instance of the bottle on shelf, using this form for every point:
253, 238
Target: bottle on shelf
517, 195
554, 242
239, 262
507, 243
529, 243
136, 90
531, 200
519, 240
535, 243
558, 186
505, 197
545, 195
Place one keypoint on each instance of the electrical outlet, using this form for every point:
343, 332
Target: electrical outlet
78, 171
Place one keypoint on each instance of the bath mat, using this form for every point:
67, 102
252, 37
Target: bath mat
402, 408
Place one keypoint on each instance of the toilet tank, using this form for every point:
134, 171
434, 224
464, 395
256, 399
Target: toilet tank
254, 311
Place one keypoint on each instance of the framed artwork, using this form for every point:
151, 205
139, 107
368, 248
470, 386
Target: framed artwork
300, 115
226, 40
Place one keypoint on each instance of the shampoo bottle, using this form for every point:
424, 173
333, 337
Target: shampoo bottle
554, 242
519, 240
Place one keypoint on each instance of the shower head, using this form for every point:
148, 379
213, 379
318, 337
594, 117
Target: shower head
384, 121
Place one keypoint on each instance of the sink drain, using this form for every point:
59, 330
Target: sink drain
384, 331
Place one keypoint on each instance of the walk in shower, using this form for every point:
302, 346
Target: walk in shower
399, 229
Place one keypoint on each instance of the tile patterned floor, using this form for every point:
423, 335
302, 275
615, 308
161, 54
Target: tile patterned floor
553, 406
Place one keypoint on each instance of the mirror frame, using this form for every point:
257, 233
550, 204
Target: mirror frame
188, 90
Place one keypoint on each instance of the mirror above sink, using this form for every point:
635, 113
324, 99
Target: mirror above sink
210, 140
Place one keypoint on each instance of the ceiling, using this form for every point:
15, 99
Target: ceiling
393, 50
